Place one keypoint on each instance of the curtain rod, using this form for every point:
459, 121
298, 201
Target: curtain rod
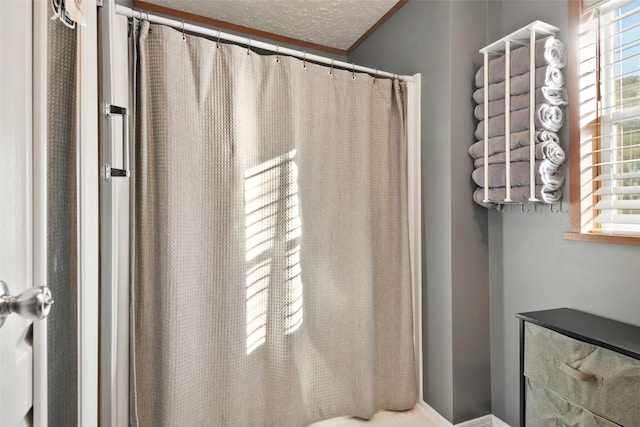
180, 25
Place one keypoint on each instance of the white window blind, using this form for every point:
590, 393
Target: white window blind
590, 4
610, 116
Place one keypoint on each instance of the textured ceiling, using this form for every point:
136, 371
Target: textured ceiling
336, 24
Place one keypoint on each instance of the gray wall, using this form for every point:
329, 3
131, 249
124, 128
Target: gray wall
530, 265
433, 38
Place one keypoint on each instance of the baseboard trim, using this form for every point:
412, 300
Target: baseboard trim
442, 420
497, 422
485, 421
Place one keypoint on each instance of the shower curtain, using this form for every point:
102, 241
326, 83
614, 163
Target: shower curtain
62, 223
271, 273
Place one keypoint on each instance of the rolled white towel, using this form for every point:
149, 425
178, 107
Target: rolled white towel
551, 195
555, 52
545, 135
551, 174
550, 117
554, 95
554, 77
553, 152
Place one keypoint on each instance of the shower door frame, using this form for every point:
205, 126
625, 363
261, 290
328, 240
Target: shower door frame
114, 387
115, 214
88, 217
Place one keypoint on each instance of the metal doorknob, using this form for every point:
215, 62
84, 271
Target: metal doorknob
32, 304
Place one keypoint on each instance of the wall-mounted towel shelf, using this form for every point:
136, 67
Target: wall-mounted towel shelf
525, 35
521, 72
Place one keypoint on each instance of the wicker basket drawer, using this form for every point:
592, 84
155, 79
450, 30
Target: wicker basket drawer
546, 408
604, 382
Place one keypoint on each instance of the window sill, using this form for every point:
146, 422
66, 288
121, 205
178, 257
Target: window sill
601, 238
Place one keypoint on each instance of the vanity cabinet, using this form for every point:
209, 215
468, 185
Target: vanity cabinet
578, 369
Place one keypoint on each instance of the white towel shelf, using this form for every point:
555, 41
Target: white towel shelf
521, 37
525, 35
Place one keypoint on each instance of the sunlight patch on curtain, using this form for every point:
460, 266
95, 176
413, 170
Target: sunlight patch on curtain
273, 228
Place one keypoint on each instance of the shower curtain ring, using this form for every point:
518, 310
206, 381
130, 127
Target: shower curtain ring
218, 40
353, 71
304, 59
249, 47
375, 76
278, 53
183, 37
331, 69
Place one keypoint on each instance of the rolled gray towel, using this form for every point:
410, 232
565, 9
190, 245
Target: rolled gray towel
546, 173
546, 150
518, 194
552, 96
548, 51
498, 172
547, 117
519, 139
545, 76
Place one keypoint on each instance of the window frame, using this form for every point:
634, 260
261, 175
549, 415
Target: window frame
575, 179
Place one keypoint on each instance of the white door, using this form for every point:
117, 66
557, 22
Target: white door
16, 212
23, 256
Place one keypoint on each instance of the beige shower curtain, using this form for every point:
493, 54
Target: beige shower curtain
272, 282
